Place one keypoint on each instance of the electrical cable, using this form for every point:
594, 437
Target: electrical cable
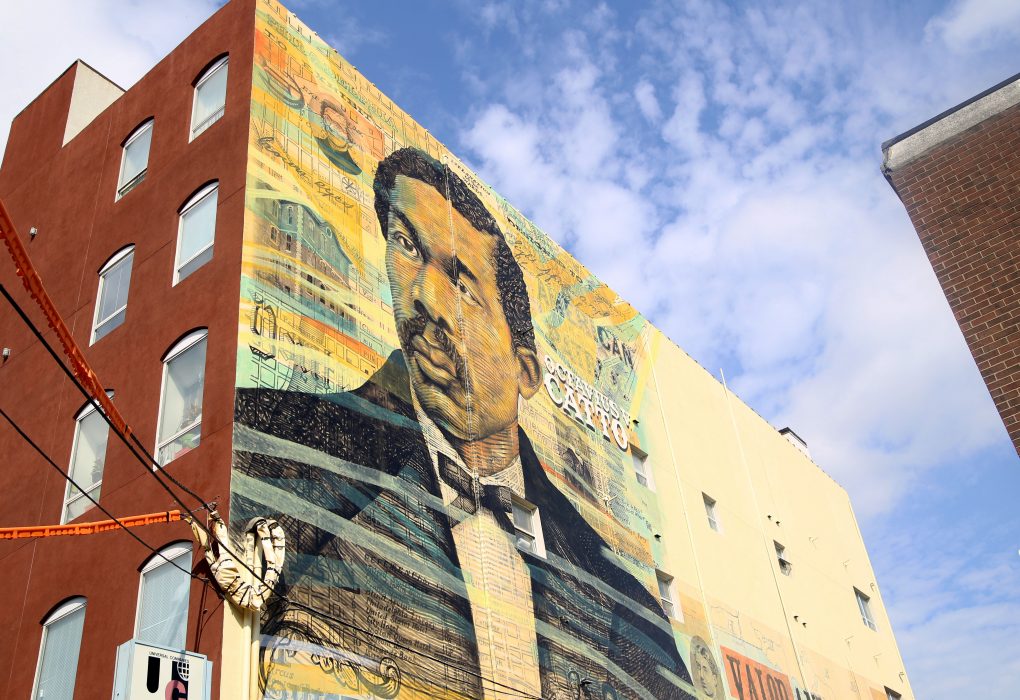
35, 446
145, 457
148, 462
330, 618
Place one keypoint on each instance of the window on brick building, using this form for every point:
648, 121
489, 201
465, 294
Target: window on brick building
112, 296
134, 162
210, 97
88, 460
163, 597
196, 231
180, 413
58, 652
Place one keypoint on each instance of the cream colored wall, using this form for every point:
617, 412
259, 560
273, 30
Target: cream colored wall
92, 93
703, 439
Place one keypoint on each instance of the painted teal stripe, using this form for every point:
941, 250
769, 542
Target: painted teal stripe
278, 500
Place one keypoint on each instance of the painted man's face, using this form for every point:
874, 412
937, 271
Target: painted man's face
706, 672
464, 368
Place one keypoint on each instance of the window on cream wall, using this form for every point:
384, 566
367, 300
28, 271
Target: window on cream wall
667, 596
711, 512
642, 468
528, 527
210, 97
892, 694
864, 605
58, 652
785, 565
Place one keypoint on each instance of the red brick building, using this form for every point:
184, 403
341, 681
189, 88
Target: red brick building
64, 174
958, 175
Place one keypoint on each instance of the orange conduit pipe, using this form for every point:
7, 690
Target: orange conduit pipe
17, 533
33, 283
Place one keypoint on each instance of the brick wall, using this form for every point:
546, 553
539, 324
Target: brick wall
963, 198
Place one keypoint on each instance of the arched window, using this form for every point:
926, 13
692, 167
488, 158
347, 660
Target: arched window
180, 409
210, 97
163, 595
88, 460
58, 651
134, 161
196, 231
112, 297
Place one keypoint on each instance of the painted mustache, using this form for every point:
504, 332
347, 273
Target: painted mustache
445, 364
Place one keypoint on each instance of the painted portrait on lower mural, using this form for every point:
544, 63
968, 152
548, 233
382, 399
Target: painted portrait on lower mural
431, 554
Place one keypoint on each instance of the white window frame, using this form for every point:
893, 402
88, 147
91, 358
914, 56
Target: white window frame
535, 534
119, 257
642, 468
180, 348
89, 408
164, 557
864, 607
68, 607
124, 187
195, 200
668, 603
711, 512
198, 129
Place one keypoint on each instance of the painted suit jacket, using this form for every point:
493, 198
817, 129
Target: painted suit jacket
375, 601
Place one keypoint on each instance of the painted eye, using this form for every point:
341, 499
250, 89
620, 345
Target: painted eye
464, 289
406, 244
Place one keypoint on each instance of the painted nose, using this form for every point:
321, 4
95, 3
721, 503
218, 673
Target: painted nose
435, 297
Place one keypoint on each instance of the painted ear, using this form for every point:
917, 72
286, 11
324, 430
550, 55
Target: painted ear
529, 371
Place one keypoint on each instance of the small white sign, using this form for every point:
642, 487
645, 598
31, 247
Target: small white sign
150, 672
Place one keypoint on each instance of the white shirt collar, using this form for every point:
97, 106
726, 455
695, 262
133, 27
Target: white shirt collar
511, 476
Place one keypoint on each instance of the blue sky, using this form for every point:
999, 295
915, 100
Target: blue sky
730, 154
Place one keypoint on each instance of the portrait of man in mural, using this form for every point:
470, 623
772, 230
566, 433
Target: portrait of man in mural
431, 554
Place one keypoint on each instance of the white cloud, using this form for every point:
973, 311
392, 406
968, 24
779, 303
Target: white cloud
766, 240
121, 40
956, 613
644, 94
976, 25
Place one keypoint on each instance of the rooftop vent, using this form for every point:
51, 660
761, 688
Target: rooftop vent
795, 440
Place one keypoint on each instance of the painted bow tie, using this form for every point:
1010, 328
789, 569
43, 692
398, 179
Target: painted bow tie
471, 493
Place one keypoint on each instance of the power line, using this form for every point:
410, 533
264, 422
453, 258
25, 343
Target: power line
148, 462
484, 679
145, 457
35, 446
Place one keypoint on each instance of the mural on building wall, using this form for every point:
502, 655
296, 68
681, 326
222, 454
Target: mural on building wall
443, 410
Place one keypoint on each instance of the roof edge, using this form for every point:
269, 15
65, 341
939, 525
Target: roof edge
901, 150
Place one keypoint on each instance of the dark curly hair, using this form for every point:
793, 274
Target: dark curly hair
414, 163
